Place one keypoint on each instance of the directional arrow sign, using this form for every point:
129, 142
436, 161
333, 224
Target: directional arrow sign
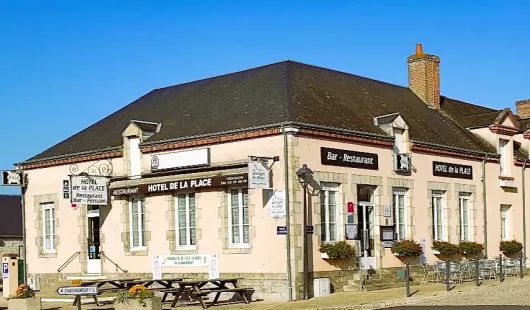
78, 290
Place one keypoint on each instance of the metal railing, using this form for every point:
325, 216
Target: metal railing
68, 261
110, 260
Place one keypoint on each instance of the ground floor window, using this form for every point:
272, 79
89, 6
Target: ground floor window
328, 213
400, 213
239, 218
48, 227
464, 205
438, 220
137, 223
185, 213
505, 226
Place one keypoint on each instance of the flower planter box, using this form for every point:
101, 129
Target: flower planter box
153, 303
324, 255
24, 303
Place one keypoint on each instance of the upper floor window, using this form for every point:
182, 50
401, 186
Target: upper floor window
185, 213
239, 218
400, 214
503, 151
48, 227
328, 213
137, 223
399, 141
438, 220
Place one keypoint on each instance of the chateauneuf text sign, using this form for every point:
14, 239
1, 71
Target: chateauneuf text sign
448, 170
78, 290
347, 158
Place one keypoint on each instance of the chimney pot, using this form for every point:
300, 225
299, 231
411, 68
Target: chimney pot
419, 50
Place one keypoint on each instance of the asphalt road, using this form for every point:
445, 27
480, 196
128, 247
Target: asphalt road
461, 307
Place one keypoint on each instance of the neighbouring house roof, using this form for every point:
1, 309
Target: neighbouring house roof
11, 218
281, 92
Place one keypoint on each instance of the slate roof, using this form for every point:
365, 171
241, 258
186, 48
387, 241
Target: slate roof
281, 92
11, 219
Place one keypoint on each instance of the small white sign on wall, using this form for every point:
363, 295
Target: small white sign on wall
387, 211
157, 268
213, 267
193, 260
277, 206
258, 175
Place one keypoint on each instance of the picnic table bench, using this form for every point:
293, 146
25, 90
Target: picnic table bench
198, 289
125, 284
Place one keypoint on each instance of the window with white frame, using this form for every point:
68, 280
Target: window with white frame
503, 151
137, 223
185, 220
464, 200
438, 221
505, 226
48, 227
400, 212
328, 213
135, 157
239, 218
399, 145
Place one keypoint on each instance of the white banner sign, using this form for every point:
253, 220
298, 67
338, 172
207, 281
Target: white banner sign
89, 190
258, 175
277, 204
189, 158
194, 260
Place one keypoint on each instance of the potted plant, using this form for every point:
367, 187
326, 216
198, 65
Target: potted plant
137, 297
510, 247
444, 248
24, 299
470, 248
407, 248
337, 250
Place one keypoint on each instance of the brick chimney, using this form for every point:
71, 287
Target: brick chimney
424, 77
523, 108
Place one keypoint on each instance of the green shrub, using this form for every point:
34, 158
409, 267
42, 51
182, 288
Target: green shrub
510, 247
470, 247
338, 250
407, 248
445, 248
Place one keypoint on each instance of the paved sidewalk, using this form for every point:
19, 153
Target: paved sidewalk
429, 294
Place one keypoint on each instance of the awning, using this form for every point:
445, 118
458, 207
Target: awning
180, 182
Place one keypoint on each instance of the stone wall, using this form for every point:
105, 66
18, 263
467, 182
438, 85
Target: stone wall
10, 245
267, 286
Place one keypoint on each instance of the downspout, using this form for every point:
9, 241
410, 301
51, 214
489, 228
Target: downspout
287, 212
524, 212
484, 205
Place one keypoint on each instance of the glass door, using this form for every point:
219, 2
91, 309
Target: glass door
366, 225
93, 240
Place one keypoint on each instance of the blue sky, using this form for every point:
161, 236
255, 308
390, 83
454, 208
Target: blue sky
66, 64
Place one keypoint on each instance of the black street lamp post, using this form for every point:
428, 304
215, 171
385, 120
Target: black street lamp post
305, 176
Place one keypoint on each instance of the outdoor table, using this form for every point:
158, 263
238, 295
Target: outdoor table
118, 284
197, 288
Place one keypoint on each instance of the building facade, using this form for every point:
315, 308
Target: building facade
10, 224
163, 186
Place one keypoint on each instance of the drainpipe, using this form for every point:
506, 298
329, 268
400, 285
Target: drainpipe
287, 212
484, 205
524, 212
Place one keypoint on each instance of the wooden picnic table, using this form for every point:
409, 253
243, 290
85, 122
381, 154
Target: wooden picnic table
197, 288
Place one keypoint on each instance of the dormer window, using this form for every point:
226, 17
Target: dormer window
135, 157
133, 135
394, 125
399, 143
503, 151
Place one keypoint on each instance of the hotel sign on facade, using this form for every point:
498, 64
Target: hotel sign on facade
89, 190
181, 185
448, 170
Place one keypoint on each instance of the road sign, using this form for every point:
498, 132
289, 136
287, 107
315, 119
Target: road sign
78, 290
5, 270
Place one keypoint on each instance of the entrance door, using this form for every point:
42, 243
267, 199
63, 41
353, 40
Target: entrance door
93, 242
366, 226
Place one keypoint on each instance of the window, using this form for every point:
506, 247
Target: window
135, 157
185, 213
437, 216
48, 227
398, 140
505, 227
137, 223
239, 218
463, 205
328, 214
504, 157
400, 216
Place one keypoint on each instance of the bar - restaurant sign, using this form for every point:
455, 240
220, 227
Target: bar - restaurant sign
448, 170
347, 158
182, 185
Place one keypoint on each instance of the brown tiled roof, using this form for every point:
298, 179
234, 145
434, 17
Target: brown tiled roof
11, 218
467, 114
281, 92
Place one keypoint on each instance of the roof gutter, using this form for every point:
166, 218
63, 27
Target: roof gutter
456, 149
110, 149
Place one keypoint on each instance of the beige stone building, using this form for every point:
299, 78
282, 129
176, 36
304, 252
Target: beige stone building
174, 183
